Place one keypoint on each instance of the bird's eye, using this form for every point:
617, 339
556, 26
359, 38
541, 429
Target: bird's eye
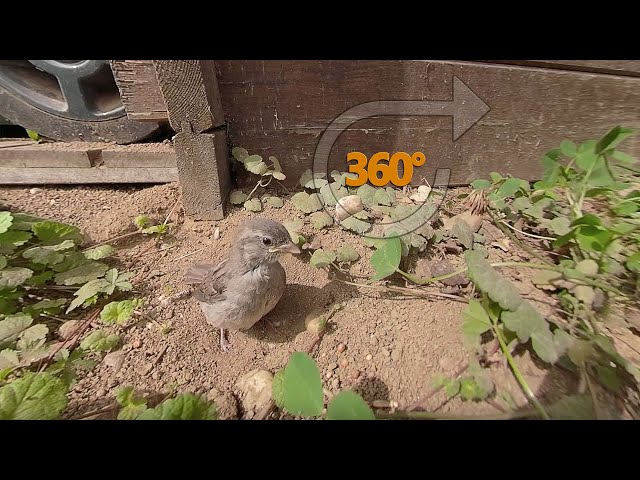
266, 240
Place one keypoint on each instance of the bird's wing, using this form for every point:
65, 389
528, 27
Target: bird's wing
209, 281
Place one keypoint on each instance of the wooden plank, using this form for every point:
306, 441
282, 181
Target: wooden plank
94, 175
629, 68
190, 92
48, 155
203, 167
281, 108
139, 90
151, 155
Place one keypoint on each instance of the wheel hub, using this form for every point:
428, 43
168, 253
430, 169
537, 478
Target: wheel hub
74, 89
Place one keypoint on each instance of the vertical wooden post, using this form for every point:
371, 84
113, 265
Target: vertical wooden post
190, 91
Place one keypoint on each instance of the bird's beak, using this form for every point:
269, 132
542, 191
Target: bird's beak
288, 248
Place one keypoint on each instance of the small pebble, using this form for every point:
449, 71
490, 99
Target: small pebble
344, 363
52, 202
385, 352
329, 375
137, 343
369, 357
355, 375
33, 191
100, 393
333, 366
341, 348
336, 383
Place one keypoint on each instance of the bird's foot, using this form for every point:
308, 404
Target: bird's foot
225, 345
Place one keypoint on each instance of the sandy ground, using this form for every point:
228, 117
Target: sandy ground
394, 345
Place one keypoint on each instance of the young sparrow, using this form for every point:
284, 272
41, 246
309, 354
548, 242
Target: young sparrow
240, 290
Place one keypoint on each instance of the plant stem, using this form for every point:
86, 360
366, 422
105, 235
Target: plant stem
516, 372
407, 291
540, 237
119, 237
259, 184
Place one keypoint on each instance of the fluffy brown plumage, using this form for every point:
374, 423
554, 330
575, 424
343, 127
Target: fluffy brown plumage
240, 290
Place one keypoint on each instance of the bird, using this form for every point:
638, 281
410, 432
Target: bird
237, 292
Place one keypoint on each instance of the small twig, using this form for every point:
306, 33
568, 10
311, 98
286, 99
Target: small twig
155, 252
187, 255
159, 356
408, 291
422, 400
114, 239
93, 413
532, 235
172, 209
73, 339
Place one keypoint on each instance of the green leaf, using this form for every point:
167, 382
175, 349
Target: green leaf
41, 278
12, 326
50, 307
6, 219
623, 158
22, 221
543, 344
277, 389
346, 254
33, 135
276, 165
499, 289
33, 337
382, 197
99, 252
254, 164
495, 177
239, 153
560, 225
480, 184
34, 396
142, 221
12, 277
118, 280
119, 312
524, 321
8, 359
185, 406
462, 231
159, 228
316, 183
302, 386
13, 238
320, 220
82, 274
509, 187
322, 258
332, 192
3, 261
307, 203
47, 255
348, 405
355, 225
275, 202
587, 160
100, 341
367, 193
521, 203
132, 404
386, 259
613, 138
237, 197
53, 233
573, 407
476, 320
568, 148
88, 290
633, 262
253, 205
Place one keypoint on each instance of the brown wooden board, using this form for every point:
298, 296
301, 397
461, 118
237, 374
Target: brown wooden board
153, 155
282, 107
190, 92
139, 90
47, 155
55, 176
203, 164
614, 67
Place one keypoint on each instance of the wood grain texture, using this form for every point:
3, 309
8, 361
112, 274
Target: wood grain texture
203, 166
94, 175
46, 156
281, 108
190, 92
139, 90
141, 155
629, 68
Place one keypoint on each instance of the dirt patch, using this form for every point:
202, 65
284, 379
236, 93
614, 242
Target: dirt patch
395, 346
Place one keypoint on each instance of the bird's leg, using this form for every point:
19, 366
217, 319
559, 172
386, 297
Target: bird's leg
225, 346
